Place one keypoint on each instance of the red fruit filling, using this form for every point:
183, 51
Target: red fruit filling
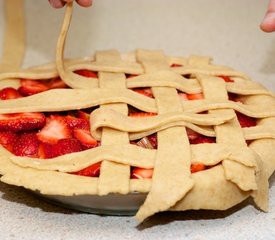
246, 121
234, 97
196, 167
26, 145
29, 87
85, 138
9, 93
131, 75
55, 129
86, 73
8, 139
45, 136
21, 121
174, 65
91, 171
141, 114
194, 96
144, 91
141, 173
41, 136
226, 78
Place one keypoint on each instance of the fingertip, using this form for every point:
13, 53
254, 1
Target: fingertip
85, 3
57, 3
268, 24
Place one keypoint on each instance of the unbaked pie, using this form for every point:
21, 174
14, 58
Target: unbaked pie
185, 132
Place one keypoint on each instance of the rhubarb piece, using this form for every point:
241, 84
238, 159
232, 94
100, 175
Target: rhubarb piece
145, 143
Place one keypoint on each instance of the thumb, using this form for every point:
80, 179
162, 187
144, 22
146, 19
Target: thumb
268, 23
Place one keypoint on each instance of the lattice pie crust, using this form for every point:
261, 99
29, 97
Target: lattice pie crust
237, 170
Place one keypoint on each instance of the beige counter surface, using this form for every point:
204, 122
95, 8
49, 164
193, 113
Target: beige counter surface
226, 30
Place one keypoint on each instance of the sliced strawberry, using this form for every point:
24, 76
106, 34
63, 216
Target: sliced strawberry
55, 129
196, 167
141, 114
30, 87
8, 139
192, 134
246, 121
66, 146
183, 96
91, 171
21, 121
9, 93
56, 83
45, 150
141, 173
176, 65
86, 73
195, 96
226, 78
80, 123
202, 139
83, 115
26, 145
85, 138
144, 91
153, 140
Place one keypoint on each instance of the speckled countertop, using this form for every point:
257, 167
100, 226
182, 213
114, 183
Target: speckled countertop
226, 30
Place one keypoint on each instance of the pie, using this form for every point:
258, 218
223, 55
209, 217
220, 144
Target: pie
187, 133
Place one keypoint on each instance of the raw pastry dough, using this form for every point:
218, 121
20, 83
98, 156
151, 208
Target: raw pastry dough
236, 170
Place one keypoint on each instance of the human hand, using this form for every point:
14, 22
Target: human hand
61, 3
268, 24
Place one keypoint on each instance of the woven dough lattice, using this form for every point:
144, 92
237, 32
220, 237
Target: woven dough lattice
238, 164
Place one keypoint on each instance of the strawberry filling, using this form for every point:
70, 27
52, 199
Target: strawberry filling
246, 121
175, 65
191, 96
49, 135
86, 73
9, 93
226, 78
45, 135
